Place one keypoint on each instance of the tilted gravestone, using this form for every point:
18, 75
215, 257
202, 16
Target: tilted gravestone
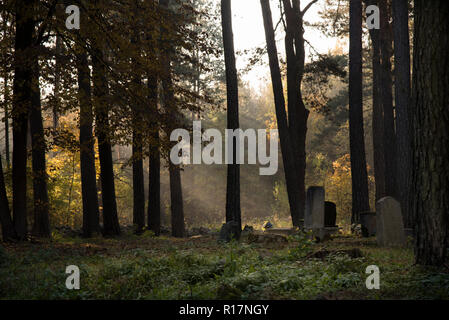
314, 215
389, 225
330, 214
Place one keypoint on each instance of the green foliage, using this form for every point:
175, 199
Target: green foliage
161, 268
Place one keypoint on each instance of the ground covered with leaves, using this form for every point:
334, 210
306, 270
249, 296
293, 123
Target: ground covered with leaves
147, 267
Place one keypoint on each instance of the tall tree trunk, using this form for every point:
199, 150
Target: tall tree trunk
154, 189
360, 199
8, 232
21, 106
111, 225
297, 112
138, 181
233, 210
137, 150
430, 101
176, 199
41, 226
284, 135
377, 114
176, 204
402, 97
387, 98
56, 105
6, 97
91, 215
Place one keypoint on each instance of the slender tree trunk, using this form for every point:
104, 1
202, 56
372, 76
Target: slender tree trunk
360, 199
430, 101
8, 232
284, 135
20, 110
387, 98
402, 97
377, 115
138, 182
137, 162
154, 189
6, 91
297, 112
177, 207
41, 227
56, 105
111, 225
91, 215
233, 210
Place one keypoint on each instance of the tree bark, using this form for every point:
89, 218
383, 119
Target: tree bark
297, 112
8, 232
41, 226
430, 181
360, 199
387, 98
21, 107
377, 115
154, 193
284, 135
137, 149
6, 95
91, 215
233, 210
176, 199
402, 98
111, 225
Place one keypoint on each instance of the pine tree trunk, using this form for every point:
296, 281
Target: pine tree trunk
154, 190
41, 227
177, 208
377, 115
360, 199
430, 111
284, 135
389, 137
402, 98
91, 215
6, 95
8, 232
111, 225
20, 110
233, 210
138, 183
297, 113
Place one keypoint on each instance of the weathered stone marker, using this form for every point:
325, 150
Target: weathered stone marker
390, 228
314, 215
368, 222
330, 214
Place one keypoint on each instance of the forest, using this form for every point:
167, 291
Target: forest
224, 150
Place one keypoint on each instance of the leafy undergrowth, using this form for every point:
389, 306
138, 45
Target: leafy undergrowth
145, 267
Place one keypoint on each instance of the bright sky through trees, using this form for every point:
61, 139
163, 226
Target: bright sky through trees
249, 33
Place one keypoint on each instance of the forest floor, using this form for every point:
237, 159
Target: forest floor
146, 267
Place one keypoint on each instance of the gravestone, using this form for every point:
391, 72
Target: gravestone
230, 230
330, 214
368, 222
390, 228
314, 215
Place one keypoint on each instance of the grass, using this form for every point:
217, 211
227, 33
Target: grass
145, 267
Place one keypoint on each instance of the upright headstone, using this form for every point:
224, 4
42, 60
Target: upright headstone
314, 215
330, 214
368, 222
390, 228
